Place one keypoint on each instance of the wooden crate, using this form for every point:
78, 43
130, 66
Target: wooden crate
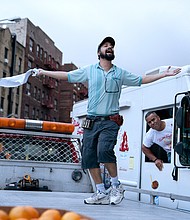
41, 210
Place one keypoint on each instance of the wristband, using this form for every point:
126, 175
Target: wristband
155, 160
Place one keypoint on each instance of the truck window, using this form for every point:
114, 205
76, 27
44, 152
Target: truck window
158, 151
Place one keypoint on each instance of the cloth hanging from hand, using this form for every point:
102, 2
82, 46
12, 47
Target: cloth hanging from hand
18, 80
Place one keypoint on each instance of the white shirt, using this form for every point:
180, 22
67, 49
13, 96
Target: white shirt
162, 138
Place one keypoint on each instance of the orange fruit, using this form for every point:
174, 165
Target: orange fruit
27, 212
50, 214
32, 211
21, 219
155, 184
71, 216
3, 215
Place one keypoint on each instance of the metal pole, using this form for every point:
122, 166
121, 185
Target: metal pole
10, 101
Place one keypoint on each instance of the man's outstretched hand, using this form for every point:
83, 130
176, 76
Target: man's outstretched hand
169, 72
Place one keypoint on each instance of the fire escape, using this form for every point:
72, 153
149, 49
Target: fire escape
47, 100
50, 84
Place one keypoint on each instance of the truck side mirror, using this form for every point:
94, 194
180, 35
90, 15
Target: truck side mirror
179, 148
179, 117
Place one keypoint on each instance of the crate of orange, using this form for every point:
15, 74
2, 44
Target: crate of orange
32, 213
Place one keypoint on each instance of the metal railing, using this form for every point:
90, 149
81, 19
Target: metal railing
153, 194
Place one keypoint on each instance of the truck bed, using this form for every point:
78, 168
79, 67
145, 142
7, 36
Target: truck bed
127, 210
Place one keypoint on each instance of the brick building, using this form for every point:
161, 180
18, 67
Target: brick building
69, 94
44, 98
11, 63
40, 94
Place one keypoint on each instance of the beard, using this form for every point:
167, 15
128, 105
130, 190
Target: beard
106, 56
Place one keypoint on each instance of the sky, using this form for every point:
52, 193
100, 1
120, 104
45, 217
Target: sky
148, 33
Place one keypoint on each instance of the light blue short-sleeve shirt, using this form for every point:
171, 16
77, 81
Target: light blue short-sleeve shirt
104, 88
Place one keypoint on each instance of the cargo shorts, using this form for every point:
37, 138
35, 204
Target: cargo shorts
98, 144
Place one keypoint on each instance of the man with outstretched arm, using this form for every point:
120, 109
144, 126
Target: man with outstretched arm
103, 121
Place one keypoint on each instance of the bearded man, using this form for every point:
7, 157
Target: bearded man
103, 121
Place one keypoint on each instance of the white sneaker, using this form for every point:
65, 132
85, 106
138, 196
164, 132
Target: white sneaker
116, 195
98, 198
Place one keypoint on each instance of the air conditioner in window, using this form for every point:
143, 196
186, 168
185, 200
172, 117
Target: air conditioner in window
6, 61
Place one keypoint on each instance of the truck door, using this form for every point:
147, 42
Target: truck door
181, 143
149, 171
182, 134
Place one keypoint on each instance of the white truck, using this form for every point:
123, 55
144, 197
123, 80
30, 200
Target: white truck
170, 98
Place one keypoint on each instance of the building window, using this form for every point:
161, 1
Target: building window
26, 111
45, 56
17, 91
31, 45
57, 65
29, 64
28, 88
20, 65
4, 74
41, 54
43, 95
6, 53
46, 117
37, 114
53, 62
39, 94
42, 115
2, 103
55, 104
38, 51
35, 92
33, 113
49, 58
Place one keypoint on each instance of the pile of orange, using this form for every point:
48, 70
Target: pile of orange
31, 213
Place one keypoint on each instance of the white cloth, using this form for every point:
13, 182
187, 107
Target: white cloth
162, 138
18, 80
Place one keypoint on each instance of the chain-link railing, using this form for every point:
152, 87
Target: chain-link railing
40, 148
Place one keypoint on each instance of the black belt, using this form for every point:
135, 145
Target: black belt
98, 118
